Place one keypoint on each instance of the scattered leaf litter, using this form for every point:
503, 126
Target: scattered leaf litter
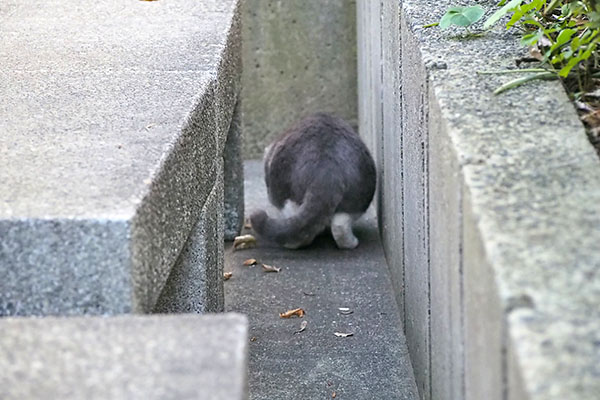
302, 327
244, 242
298, 312
343, 334
227, 275
250, 261
345, 310
270, 268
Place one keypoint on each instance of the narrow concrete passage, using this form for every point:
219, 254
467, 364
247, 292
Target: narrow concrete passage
373, 363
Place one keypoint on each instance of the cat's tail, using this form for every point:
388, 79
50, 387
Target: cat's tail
300, 229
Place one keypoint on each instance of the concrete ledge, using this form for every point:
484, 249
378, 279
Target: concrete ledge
125, 357
114, 131
497, 215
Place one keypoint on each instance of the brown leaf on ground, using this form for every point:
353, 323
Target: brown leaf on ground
302, 327
536, 53
342, 334
298, 312
244, 242
333, 395
270, 268
250, 261
227, 275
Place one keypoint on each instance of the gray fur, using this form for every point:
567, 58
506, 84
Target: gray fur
321, 165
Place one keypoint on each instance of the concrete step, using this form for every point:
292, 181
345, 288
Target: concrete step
124, 358
316, 364
115, 121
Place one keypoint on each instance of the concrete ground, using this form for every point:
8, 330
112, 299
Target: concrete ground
373, 363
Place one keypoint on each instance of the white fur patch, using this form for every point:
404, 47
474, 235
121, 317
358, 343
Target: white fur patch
341, 229
290, 208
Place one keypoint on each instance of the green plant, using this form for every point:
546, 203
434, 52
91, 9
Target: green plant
461, 16
562, 34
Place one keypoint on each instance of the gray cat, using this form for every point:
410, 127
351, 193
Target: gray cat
319, 174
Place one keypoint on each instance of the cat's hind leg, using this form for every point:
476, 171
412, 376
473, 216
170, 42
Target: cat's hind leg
341, 229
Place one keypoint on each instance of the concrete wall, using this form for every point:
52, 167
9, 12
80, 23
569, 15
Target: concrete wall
299, 57
486, 214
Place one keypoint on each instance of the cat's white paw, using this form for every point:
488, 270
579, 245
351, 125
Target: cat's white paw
341, 229
348, 243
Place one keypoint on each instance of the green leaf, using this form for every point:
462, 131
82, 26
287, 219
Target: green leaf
564, 72
531, 38
461, 16
495, 17
515, 18
474, 13
564, 36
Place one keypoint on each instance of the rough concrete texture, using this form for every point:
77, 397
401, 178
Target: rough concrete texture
446, 249
315, 364
112, 133
299, 57
521, 193
200, 264
483, 319
126, 357
234, 177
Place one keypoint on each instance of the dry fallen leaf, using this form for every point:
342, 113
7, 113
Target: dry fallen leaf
302, 327
270, 268
244, 242
333, 395
342, 334
250, 261
345, 310
227, 275
288, 314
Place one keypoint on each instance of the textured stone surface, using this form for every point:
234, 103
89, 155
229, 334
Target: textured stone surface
446, 251
299, 57
526, 220
372, 364
195, 282
125, 357
415, 185
483, 316
234, 177
112, 133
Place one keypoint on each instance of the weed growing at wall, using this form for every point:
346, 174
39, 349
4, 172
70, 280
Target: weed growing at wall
562, 37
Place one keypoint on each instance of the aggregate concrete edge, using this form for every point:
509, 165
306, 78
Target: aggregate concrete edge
158, 237
124, 357
530, 175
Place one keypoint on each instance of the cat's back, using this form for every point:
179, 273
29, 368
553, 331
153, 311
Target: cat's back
317, 145
317, 138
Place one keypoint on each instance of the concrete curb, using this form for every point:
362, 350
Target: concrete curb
497, 212
124, 357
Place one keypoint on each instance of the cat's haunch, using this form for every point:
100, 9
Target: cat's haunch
319, 174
